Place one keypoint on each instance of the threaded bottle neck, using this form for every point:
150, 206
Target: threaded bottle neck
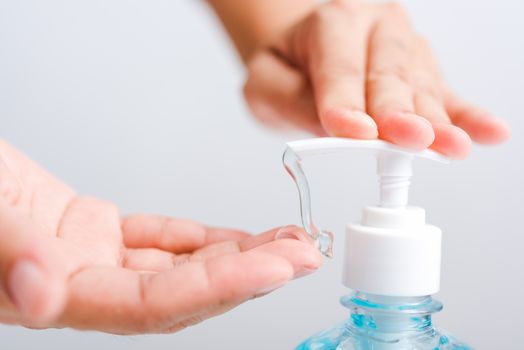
385, 316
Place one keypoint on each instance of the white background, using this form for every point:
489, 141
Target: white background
139, 102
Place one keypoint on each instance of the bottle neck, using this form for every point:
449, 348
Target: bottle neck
386, 316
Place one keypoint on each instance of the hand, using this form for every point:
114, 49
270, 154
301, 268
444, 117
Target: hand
71, 261
352, 69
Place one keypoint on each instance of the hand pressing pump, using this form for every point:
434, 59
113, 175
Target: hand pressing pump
391, 257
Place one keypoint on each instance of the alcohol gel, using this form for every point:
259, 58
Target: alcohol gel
391, 258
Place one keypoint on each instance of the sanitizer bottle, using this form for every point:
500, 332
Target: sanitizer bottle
391, 258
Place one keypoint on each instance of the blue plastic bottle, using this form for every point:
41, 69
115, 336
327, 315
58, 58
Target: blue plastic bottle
391, 257
385, 323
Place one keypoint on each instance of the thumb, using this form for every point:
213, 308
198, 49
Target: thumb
31, 275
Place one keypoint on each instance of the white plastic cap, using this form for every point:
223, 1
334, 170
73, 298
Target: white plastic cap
392, 251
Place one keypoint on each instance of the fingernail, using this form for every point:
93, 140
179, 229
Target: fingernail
407, 129
293, 232
304, 271
287, 232
24, 282
269, 289
344, 122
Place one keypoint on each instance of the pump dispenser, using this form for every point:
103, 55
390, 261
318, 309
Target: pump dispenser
391, 257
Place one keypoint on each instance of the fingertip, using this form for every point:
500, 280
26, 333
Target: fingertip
451, 141
406, 129
294, 232
299, 234
349, 123
303, 256
249, 273
490, 130
319, 131
481, 126
218, 235
291, 243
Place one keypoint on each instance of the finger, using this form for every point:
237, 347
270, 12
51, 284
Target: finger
389, 84
481, 126
429, 103
10, 189
279, 95
336, 63
269, 236
449, 140
154, 302
148, 259
32, 274
239, 277
304, 261
174, 235
196, 319
270, 241
156, 260
283, 251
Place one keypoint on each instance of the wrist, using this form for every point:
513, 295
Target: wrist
253, 24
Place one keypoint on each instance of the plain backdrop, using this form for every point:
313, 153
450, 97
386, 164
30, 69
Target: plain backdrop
139, 102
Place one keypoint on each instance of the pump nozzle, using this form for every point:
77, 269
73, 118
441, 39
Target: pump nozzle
394, 167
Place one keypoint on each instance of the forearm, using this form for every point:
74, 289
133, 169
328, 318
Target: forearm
251, 23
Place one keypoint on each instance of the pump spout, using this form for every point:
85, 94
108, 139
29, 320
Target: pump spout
394, 167
323, 239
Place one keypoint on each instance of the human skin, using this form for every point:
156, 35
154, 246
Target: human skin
351, 69
343, 68
72, 261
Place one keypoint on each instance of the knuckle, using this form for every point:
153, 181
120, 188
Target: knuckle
191, 321
248, 91
254, 99
423, 44
102, 206
421, 41
329, 12
430, 90
146, 318
349, 6
10, 190
181, 259
322, 15
339, 2
186, 323
260, 105
10, 186
347, 71
396, 71
396, 9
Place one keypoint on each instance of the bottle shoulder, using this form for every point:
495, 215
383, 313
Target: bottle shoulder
342, 337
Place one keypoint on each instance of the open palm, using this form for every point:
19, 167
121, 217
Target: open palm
72, 261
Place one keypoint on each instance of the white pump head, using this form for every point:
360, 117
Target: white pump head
392, 251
